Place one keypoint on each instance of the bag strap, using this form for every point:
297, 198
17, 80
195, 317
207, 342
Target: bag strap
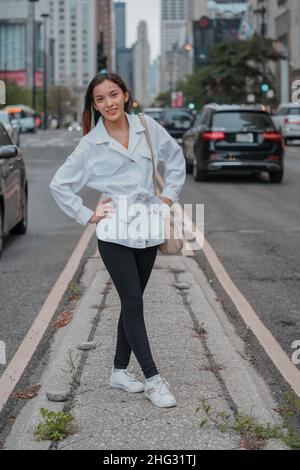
148, 138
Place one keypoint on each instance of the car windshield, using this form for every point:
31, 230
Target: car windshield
4, 118
242, 121
154, 114
178, 116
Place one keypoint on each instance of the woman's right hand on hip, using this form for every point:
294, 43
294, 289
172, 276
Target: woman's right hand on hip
102, 211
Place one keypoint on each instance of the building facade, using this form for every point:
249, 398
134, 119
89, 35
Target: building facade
125, 66
141, 67
176, 32
104, 34
16, 41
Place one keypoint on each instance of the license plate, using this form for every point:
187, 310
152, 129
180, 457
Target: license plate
178, 124
245, 138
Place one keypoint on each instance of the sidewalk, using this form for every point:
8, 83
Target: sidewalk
207, 366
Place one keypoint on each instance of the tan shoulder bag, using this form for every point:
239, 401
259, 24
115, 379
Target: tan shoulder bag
173, 243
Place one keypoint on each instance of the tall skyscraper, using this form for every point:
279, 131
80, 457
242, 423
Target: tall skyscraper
74, 30
123, 55
104, 34
176, 18
141, 66
120, 22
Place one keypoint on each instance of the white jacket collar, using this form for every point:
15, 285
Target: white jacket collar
99, 134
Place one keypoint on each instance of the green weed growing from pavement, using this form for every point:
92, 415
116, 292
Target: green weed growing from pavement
56, 426
291, 420
253, 433
74, 288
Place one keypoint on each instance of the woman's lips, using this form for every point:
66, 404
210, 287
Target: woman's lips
113, 111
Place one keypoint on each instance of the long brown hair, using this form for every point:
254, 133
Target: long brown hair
89, 110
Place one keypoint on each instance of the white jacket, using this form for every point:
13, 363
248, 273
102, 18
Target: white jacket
102, 163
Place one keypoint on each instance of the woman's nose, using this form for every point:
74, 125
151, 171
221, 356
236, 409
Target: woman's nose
109, 102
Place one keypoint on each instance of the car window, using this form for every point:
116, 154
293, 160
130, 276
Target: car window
4, 137
205, 117
154, 114
242, 121
294, 111
177, 116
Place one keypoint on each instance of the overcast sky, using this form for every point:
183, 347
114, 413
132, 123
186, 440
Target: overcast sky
148, 10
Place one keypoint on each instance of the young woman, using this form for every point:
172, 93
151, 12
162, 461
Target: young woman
114, 158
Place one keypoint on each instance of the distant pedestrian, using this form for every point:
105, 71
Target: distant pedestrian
114, 158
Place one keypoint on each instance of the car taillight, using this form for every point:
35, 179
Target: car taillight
273, 157
272, 136
213, 136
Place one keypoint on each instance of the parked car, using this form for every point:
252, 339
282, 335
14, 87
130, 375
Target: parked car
155, 113
176, 121
11, 125
287, 120
24, 115
13, 188
75, 126
230, 139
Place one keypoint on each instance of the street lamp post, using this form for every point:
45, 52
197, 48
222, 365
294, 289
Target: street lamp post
33, 54
45, 101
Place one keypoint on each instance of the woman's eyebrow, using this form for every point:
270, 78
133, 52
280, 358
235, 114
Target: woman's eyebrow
100, 96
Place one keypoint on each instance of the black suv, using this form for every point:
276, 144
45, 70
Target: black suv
13, 188
234, 138
176, 121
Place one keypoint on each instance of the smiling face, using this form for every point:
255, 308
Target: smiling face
109, 100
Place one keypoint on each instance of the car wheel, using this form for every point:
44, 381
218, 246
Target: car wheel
199, 175
276, 176
21, 227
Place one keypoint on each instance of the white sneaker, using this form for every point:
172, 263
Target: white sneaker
157, 391
126, 381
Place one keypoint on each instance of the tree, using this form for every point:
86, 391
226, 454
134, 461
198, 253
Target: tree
234, 73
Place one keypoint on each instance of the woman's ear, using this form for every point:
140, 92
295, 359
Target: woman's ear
126, 97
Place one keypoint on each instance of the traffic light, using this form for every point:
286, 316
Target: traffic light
265, 87
191, 106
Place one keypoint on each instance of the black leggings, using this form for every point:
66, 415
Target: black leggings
130, 269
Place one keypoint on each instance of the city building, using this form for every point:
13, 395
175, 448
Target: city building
119, 42
176, 34
123, 56
125, 66
16, 41
155, 78
104, 34
141, 67
74, 29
